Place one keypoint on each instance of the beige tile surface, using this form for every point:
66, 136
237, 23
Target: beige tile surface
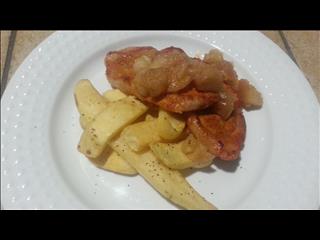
26, 41
5, 35
305, 46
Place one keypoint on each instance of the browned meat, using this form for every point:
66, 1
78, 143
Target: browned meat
222, 138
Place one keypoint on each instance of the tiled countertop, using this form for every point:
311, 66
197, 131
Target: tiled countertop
302, 46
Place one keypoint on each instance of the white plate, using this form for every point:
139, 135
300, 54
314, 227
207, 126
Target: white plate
41, 167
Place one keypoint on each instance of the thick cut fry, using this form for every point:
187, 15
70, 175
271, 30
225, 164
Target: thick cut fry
111, 161
89, 102
149, 117
171, 155
114, 95
116, 163
101, 160
139, 135
109, 122
184, 154
169, 127
170, 183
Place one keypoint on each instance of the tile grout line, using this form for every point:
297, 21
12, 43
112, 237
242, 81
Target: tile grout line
287, 46
4, 78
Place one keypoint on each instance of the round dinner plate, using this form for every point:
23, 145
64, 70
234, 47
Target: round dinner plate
42, 169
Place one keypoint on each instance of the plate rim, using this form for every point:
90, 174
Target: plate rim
6, 94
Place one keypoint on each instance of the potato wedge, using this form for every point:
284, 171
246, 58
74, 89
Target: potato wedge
169, 127
101, 160
149, 117
171, 155
116, 163
139, 135
184, 154
114, 95
168, 182
196, 152
111, 161
108, 123
89, 101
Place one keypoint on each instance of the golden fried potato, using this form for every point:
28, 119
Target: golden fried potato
196, 152
89, 101
111, 161
114, 95
116, 163
149, 117
139, 135
169, 127
184, 154
171, 155
108, 123
168, 182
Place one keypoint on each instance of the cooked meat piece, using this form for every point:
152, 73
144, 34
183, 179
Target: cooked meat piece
119, 65
211, 143
205, 77
249, 96
215, 58
151, 82
229, 101
187, 101
176, 61
222, 138
168, 74
172, 80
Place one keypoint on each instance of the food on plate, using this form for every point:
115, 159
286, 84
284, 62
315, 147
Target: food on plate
89, 101
164, 74
111, 161
149, 117
229, 101
168, 112
215, 58
169, 127
120, 66
222, 138
187, 101
169, 78
196, 152
249, 96
177, 83
108, 123
139, 135
114, 95
117, 164
184, 154
168, 182
171, 155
